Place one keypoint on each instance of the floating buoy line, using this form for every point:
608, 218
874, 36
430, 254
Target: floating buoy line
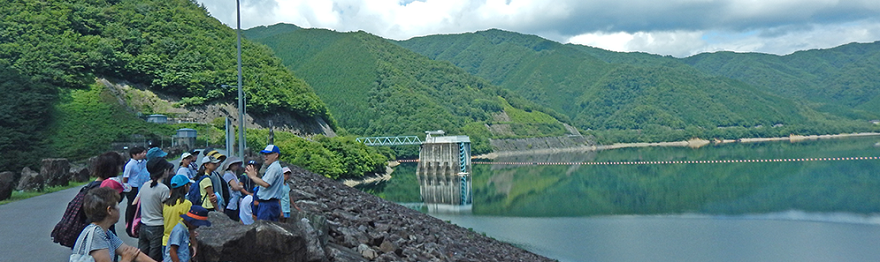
670, 162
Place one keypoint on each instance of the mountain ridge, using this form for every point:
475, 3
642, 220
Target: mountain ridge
377, 88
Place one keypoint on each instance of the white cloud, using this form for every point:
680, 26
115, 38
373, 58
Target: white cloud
687, 43
673, 27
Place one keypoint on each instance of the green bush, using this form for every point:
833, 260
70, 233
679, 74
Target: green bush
336, 158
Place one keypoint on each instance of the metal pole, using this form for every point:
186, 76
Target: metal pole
240, 92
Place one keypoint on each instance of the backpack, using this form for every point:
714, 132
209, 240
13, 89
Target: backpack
74, 219
195, 194
224, 190
246, 182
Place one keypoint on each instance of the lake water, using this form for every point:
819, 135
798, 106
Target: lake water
706, 211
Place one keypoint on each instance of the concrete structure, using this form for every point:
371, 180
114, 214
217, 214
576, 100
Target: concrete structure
158, 119
444, 173
186, 137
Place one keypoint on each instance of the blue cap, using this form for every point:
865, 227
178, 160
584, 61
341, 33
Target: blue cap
155, 153
179, 181
271, 149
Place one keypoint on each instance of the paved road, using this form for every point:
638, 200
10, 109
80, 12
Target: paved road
25, 226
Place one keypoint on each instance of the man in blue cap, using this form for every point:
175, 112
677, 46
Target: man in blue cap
270, 190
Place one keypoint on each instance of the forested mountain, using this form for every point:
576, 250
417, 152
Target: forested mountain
638, 96
376, 88
840, 79
52, 52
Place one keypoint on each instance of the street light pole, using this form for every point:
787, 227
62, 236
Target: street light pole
241, 105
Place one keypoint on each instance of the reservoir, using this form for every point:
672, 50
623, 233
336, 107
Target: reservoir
706, 205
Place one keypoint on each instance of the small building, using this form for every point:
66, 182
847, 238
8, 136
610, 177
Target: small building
186, 137
158, 119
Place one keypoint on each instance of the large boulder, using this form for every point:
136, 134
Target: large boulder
227, 240
56, 171
30, 180
81, 176
6, 184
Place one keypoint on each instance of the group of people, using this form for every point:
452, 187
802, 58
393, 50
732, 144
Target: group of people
172, 204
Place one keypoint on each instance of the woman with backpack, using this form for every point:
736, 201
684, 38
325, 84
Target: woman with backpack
107, 168
150, 198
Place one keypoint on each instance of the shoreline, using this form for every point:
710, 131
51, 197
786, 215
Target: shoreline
389, 168
693, 143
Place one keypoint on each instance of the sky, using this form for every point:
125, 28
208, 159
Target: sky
678, 28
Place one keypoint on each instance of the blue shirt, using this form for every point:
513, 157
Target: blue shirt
144, 175
285, 200
275, 179
179, 237
132, 171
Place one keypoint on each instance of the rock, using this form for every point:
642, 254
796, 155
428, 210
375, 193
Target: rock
81, 176
301, 195
388, 246
30, 180
352, 237
227, 240
56, 171
343, 254
367, 252
380, 227
6, 184
314, 245
317, 222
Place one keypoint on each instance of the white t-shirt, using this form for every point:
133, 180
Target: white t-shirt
244, 210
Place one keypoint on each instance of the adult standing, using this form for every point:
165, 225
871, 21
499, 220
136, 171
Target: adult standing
231, 169
270, 190
151, 196
134, 174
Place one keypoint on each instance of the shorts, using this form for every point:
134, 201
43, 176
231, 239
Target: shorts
286, 214
269, 210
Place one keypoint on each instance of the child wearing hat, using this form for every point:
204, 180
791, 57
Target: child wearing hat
179, 241
175, 205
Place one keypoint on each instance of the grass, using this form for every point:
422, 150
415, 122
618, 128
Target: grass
21, 195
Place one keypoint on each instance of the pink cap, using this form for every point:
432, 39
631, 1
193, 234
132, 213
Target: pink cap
113, 184
285, 170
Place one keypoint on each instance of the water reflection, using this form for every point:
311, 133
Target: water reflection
719, 188
775, 211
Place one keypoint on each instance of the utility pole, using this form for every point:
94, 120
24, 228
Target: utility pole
241, 105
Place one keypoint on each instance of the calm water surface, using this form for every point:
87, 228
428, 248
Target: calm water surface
781, 211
